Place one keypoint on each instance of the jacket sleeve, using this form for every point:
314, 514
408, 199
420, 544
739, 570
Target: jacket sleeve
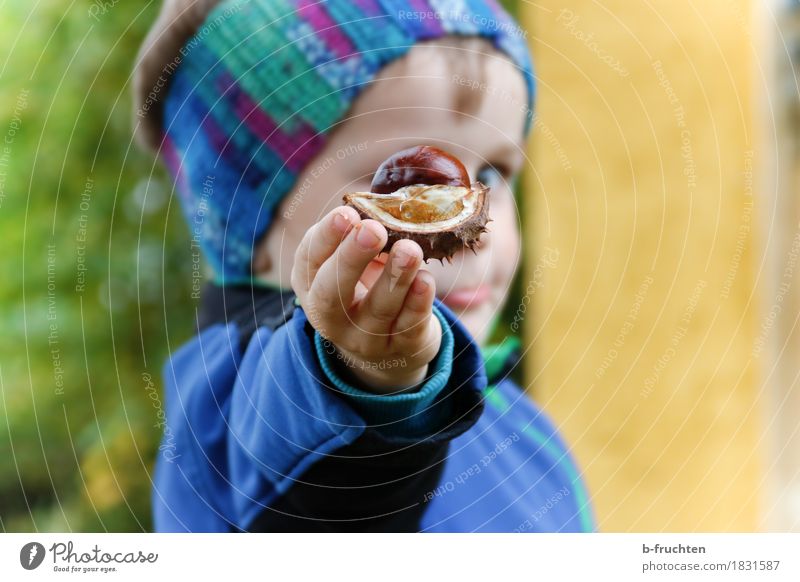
285, 449
414, 412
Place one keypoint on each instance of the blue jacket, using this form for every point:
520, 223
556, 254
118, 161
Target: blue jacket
263, 432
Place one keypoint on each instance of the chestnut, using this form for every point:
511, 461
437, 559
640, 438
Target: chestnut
419, 165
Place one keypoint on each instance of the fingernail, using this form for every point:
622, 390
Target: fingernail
341, 222
420, 285
403, 259
365, 238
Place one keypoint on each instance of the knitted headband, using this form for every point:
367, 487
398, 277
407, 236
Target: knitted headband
263, 81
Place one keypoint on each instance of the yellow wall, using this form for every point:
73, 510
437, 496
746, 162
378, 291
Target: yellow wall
639, 186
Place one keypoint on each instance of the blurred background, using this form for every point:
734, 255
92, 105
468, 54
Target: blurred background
662, 239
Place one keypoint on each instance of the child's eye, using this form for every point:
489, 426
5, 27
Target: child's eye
491, 175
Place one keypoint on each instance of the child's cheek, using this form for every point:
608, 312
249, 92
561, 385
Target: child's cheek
504, 230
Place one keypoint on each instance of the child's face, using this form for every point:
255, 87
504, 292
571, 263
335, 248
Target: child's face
415, 100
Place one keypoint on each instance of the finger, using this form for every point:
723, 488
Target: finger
414, 322
374, 270
369, 276
318, 244
381, 306
334, 286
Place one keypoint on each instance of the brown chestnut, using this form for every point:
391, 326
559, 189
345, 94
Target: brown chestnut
419, 165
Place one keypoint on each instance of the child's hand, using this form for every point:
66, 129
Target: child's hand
374, 309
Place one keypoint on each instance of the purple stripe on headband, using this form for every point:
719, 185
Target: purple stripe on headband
428, 22
172, 159
296, 149
369, 7
216, 135
290, 147
327, 28
306, 151
170, 155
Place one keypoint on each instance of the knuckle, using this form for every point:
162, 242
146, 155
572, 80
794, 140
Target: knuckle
382, 312
326, 302
418, 309
413, 331
418, 329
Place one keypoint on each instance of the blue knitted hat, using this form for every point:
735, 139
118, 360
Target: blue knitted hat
263, 81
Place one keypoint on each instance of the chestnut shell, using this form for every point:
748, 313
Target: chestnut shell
436, 243
446, 212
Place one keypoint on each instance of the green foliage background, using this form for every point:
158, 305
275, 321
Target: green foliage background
80, 368
79, 457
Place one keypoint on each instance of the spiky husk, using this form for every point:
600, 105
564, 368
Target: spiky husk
439, 244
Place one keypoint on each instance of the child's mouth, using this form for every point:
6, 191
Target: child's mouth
467, 297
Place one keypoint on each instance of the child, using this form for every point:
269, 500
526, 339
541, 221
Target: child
332, 387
